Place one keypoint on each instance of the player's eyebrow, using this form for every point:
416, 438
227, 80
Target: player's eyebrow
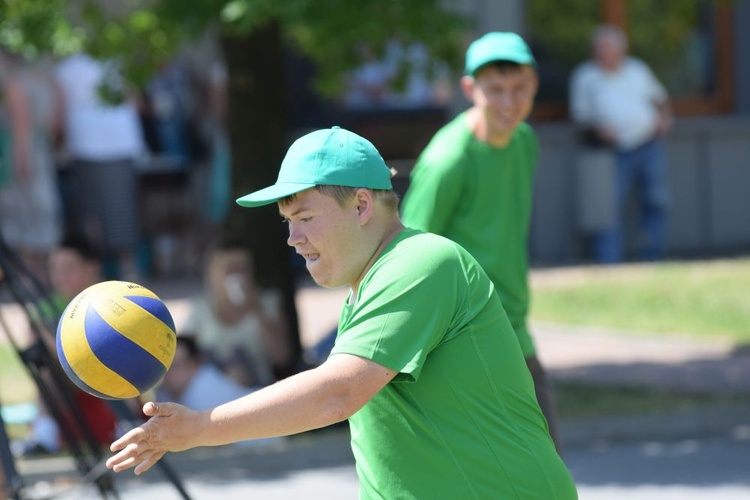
296, 212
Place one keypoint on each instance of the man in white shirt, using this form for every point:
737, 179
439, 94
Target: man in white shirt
103, 140
621, 105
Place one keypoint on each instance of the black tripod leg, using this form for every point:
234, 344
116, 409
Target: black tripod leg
82, 445
13, 482
47, 374
173, 478
125, 414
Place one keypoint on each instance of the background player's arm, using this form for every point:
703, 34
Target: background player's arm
429, 203
325, 395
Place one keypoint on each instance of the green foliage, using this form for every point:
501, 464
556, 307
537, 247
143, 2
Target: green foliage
559, 34
138, 40
33, 27
142, 34
16, 385
563, 29
336, 33
677, 29
673, 38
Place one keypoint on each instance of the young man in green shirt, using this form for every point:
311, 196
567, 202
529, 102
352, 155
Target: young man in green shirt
426, 366
473, 182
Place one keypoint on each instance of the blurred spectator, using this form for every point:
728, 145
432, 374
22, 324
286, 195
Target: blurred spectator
425, 82
367, 85
620, 105
75, 264
30, 205
193, 382
169, 106
403, 78
211, 168
238, 325
102, 142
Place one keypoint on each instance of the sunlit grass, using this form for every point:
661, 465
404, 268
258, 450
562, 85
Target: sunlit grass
703, 299
16, 386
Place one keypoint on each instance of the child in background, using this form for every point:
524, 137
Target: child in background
237, 324
194, 382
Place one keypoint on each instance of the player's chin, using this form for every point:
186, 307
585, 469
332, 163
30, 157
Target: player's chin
322, 281
317, 276
506, 124
326, 280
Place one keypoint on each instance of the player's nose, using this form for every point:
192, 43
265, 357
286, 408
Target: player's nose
295, 235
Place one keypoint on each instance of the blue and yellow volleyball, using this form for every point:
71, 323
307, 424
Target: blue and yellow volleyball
116, 340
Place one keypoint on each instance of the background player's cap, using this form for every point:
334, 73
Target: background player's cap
334, 157
497, 46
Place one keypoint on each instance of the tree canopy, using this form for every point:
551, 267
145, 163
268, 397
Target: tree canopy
141, 34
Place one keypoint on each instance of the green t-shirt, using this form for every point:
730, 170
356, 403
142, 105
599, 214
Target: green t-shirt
460, 420
480, 196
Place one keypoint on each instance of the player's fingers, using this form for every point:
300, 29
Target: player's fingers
153, 409
125, 459
148, 463
132, 436
124, 464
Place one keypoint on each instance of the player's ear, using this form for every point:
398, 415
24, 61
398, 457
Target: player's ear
364, 204
535, 81
467, 87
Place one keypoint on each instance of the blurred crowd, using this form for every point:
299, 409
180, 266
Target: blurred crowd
77, 143
90, 168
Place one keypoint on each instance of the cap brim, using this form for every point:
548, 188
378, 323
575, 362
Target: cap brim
272, 194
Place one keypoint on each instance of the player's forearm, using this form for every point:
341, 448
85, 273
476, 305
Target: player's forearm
306, 401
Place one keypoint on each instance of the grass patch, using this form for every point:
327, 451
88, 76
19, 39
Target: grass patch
576, 400
701, 299
16, 386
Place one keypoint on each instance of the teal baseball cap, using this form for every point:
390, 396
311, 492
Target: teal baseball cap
497, 46
333, 157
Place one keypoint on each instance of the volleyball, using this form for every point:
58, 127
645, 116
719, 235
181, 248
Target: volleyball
116, 340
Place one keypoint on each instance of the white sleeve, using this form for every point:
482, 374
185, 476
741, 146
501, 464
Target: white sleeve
581, 111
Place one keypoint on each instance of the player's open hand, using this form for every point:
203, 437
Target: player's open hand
170, 428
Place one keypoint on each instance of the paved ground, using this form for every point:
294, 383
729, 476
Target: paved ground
319, 465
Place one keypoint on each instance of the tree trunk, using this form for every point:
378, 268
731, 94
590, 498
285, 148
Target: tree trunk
257, 131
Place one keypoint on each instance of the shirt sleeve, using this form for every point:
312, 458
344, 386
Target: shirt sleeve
401, 317
434, 191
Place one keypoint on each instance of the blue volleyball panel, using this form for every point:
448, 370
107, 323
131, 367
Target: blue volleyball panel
122, 355
75, 378
155, 307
